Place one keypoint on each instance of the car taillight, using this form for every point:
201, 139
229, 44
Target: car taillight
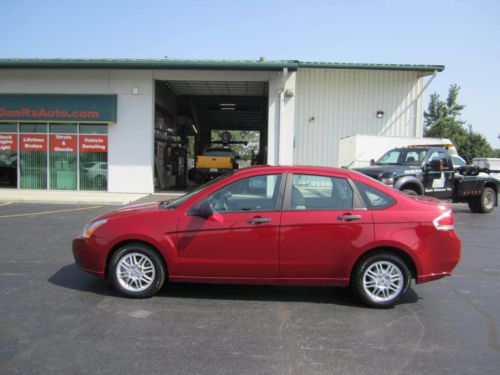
444, 221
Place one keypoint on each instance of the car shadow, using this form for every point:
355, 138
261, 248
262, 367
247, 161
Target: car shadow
72, 277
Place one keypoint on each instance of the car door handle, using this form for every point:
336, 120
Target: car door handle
259, 220
348, 217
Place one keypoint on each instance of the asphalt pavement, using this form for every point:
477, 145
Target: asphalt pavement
56, 319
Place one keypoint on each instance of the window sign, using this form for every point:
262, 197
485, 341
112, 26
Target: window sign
62, 143
93, 143
8, 142
33, 142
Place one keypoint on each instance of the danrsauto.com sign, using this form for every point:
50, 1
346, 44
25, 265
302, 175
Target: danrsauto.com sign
49, 107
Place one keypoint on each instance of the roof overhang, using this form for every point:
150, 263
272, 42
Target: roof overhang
265, 65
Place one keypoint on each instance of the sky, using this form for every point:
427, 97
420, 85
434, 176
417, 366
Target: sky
462, 35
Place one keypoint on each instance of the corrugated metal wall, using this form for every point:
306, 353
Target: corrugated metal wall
331, 104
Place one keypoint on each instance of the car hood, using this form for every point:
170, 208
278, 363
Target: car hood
131, 210
376, 171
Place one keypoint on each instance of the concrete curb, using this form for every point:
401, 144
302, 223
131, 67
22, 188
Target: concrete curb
68, 197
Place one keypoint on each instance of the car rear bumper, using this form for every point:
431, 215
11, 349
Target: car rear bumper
442, 255
431, 277
85, 257
213, 171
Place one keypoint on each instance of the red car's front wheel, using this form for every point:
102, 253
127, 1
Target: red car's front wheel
136, 271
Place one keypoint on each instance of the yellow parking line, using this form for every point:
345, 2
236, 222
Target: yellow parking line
5, 203
50, 212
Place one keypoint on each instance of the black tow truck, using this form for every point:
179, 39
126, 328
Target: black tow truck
429, 170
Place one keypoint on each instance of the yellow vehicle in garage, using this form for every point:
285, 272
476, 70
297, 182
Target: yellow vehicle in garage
214, 162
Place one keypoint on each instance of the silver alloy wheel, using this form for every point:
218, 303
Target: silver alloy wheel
383, 281
135, 272
489, 200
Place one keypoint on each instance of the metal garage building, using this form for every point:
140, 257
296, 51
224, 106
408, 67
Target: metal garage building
110, 124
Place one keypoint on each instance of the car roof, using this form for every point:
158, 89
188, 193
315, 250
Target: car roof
218, 149
292, 168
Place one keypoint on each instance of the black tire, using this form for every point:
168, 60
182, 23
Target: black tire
485, 203
365, 265
475, 205
155, 261
410, 192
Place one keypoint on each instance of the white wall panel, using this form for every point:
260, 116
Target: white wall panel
331, 104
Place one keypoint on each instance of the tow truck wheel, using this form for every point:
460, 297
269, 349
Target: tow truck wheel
485, 203
410, 192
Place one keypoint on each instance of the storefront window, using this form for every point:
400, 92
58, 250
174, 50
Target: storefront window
63, 157
93, 161
8, 155
57, 156
33, 157
93, 129
33, 128
64, 128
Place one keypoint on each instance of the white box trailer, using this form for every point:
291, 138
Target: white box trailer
357, 150
493, 164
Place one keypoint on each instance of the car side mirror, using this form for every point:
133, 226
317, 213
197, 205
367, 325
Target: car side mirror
372, 161
204, 210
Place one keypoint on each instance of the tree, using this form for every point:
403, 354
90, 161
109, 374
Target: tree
442, 120
475, 146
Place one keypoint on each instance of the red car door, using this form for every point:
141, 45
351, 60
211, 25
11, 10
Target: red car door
322, 230
241, 238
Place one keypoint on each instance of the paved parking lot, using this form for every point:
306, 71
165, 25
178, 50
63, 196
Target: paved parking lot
57, 319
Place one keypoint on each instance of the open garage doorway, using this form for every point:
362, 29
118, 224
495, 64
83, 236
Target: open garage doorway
200, 125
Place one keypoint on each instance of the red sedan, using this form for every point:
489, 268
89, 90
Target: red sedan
279, 226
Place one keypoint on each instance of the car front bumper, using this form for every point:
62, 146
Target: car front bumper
86, 258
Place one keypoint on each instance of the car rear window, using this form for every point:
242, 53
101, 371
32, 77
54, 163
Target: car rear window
218, 152
374, 199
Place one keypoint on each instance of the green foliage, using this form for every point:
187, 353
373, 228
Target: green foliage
442, 120
496, 153
476, 146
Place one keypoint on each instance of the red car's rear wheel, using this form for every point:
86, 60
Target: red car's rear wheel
381, 280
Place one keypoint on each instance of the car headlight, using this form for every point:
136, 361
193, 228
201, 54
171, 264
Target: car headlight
91, 227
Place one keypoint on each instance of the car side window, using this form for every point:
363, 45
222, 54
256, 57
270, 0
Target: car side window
314, 192
374, 199
439, 155
257, 193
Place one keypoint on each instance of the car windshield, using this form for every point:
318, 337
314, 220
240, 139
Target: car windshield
218, 152
402, 157
173, 203
457, 162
